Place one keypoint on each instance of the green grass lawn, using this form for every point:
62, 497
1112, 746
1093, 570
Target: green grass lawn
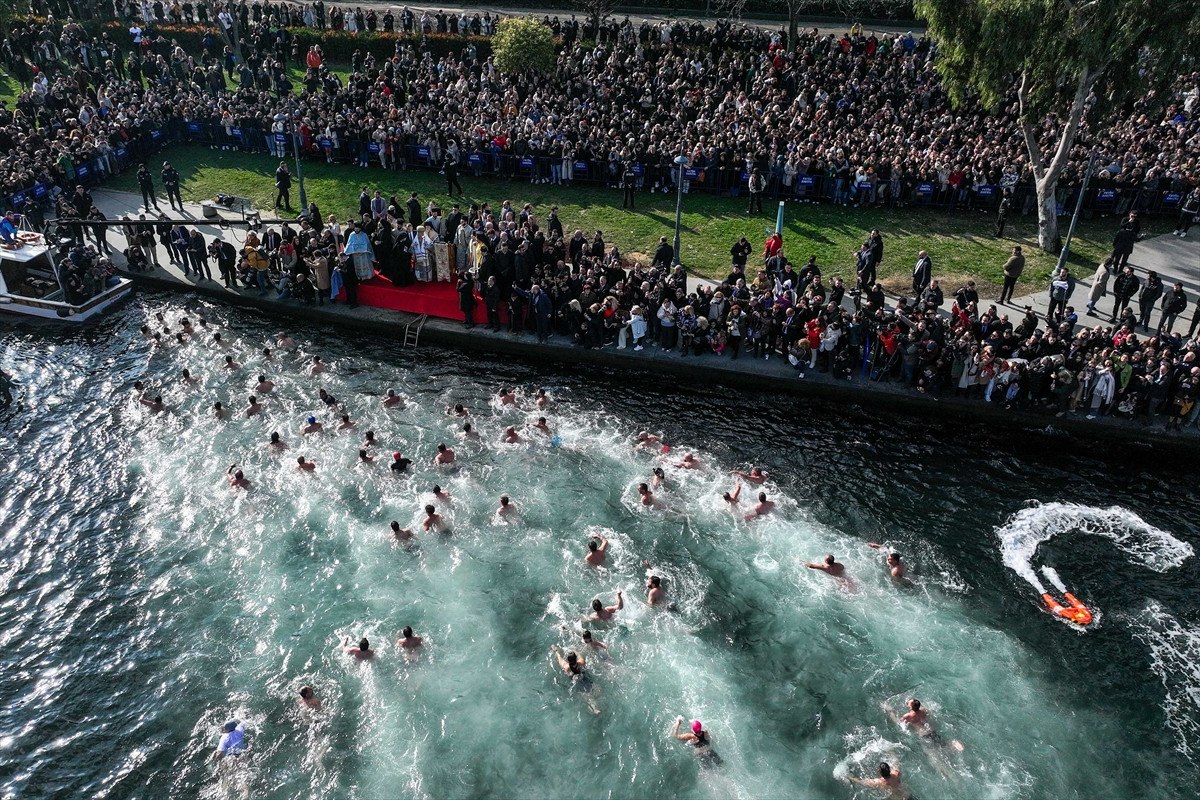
961, 245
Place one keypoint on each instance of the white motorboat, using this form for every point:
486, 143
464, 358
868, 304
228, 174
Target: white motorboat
31, 284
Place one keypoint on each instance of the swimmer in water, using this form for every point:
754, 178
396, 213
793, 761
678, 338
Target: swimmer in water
317, 366
304, 465
732, 497
645, 439
233, 741
655, 594
369, 439
698, 738
592, 642
230, 364
506, 509
187, 379
830, 566
312, 426
917, 719
458, 410
511, 436
468, 432
507, 397
573, 665
361, 652
237, 480
365, 458
399, 463
689, 462
218, 341
603, 613
441, 495
433, 521
276, 442
309, 699
346, 424
253, 407
888, 782
597, 550
266, 354
647, 497
762, 507
755, 475
325, 397
444, 455
285, 342
408, 640
155, 404
542, 427
541, 399
895, 566
658, 479
401, 534
393, 400
218, 410
264, 386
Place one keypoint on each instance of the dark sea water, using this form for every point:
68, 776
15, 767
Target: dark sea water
142, 602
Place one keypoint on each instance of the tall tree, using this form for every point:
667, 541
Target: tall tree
596, 11
1071, 61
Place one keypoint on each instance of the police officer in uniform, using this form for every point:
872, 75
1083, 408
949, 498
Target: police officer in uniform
170, 179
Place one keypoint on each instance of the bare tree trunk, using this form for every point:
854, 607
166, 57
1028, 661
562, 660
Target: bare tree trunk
1046, 175
1048, 237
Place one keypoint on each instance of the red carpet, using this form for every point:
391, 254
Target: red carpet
437, 299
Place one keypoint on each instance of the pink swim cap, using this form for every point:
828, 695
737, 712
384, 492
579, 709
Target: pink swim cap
696, 727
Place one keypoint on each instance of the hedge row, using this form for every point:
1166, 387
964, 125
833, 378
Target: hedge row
338, 46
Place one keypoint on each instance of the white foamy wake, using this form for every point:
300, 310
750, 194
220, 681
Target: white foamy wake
1025, 530
1175, 660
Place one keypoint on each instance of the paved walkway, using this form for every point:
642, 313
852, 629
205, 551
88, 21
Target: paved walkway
1174, 259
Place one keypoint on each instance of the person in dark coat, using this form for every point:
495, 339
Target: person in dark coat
1151, 291
283, 186
170, 179
414, 210
491, 299
146, 184
466, 300
922, 273
1124, 288
1123, 242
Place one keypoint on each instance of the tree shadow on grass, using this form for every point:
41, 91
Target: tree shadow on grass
9, 88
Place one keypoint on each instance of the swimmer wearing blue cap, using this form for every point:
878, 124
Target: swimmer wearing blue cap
233, 740
312, 427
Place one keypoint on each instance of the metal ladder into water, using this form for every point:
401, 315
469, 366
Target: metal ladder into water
412, 331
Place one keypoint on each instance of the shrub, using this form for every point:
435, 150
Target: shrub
523, 44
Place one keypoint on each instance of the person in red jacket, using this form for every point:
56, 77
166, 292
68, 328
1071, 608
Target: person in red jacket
313, 59
813, 330
773, 246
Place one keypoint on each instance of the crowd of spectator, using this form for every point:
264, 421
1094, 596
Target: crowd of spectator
856, 119
865, 113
